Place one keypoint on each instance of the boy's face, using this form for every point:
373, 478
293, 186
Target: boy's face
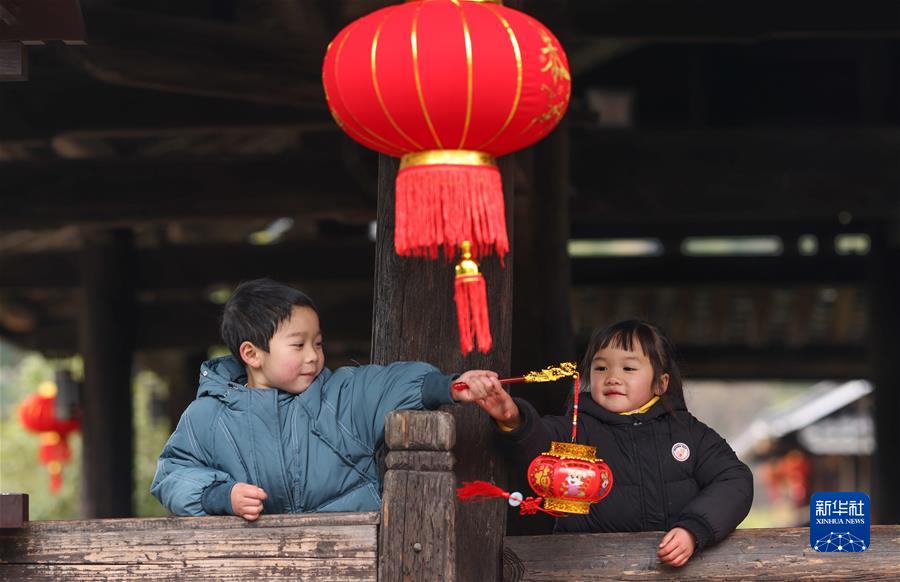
622, 381
295, 355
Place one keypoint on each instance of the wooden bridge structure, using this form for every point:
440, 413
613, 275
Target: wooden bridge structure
124, 179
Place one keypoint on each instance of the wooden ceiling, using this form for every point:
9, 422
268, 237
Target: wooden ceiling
195, 124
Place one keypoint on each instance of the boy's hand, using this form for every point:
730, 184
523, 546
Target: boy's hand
479, 384
485, 390
246, 500
677, 547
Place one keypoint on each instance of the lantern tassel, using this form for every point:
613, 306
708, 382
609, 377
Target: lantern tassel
471, 305
481, 490
440, 205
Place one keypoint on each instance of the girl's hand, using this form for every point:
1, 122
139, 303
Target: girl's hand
246, 500
677, 547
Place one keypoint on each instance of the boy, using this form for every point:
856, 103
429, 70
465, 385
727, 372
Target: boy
273, 430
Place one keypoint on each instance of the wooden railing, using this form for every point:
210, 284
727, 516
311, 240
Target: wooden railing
412, 538
749, 554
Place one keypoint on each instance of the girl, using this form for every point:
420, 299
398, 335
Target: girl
672, 472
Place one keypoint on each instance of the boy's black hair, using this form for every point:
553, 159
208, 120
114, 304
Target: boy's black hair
256, 309
655, 345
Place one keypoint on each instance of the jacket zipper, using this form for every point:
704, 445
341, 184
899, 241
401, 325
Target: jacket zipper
637, 461
284, 477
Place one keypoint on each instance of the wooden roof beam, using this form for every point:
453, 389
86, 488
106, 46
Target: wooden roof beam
127, 192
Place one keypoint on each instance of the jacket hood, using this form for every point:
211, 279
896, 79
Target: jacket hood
219, 375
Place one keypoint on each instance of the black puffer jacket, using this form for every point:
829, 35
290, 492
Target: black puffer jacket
707, 493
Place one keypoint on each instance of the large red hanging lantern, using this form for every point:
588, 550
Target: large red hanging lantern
447, 86
37, 414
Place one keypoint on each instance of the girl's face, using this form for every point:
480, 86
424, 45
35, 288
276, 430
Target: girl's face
622, 380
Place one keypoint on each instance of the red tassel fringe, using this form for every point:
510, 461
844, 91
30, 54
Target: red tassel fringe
439, 206
479, 489
472, 314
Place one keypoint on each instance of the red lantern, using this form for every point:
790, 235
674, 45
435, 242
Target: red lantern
447, 85
36, 413
570, 478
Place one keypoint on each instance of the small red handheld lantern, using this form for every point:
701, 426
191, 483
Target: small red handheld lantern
568, 478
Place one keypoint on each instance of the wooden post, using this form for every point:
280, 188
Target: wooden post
13, 510
107, 338
884, 321
415, 320
419, 504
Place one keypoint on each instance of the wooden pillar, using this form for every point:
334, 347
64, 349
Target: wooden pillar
884, 347
415, 319
419, 504
107, 328
542, 325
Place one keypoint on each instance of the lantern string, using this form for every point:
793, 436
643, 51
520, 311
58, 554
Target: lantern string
575, 407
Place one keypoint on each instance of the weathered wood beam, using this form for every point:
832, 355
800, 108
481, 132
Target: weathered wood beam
741, 21
201, 58
747, 554
171, 324
326, 547
783, 271
125, 192
197, 267
710, 176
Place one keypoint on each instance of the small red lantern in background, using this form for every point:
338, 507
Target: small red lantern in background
37, 414
447, 86
570, 478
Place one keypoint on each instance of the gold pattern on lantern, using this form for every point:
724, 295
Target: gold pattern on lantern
567, 505
542, 477
573, 451
554, 62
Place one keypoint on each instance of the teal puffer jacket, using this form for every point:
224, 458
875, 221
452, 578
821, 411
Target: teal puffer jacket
313, 451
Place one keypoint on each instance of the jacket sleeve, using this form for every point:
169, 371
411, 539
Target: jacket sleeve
726, 488
532, 437
185, 483
376, 390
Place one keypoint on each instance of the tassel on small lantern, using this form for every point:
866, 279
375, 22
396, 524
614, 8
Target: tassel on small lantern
471, 304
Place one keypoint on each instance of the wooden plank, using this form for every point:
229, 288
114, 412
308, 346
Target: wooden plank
333, 570
784, 271
13, 510
13, 61
750, 554
337, 546
199, 57
42, 20
741, 21
415, 320
106, 341
189, 266
694, 176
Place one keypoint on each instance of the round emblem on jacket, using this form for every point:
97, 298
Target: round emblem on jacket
681, 452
